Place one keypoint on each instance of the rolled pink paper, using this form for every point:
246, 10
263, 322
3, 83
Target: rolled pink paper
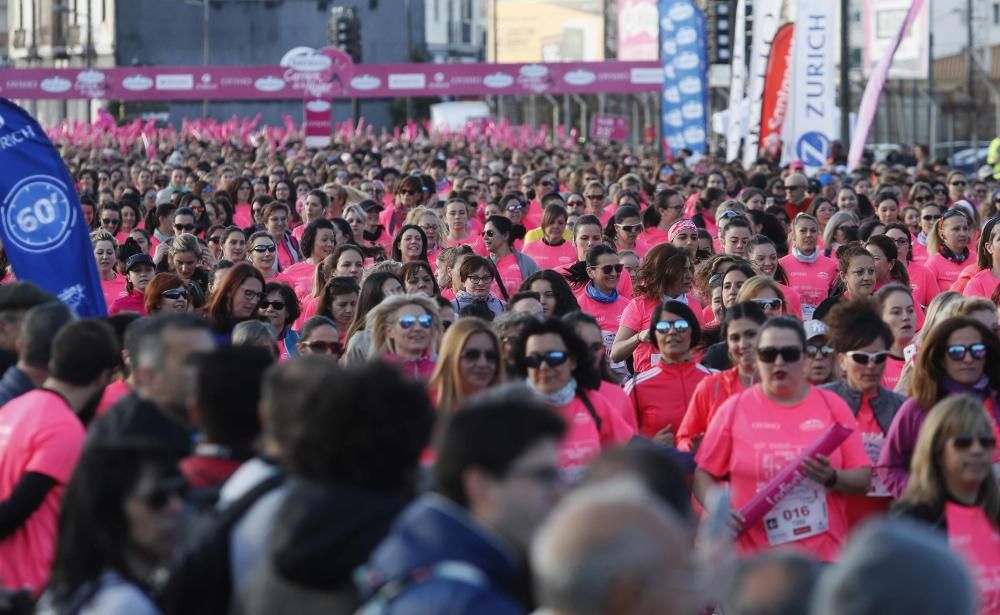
791, 475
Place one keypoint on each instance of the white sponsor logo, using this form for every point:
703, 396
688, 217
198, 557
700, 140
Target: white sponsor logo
690, 85
407, 81
579, 77
812, 425
309, 62
686, 35
680, 12
646, 75
90, 77
137, 83
498, 80
269, 84
318, 106
694, 134
674, 119
687, 61
55, 84
672, 95
693, 110
534, 71
670, 47
365, 82
175, 82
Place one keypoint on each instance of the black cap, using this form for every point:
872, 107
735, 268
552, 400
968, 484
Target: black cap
138, 259
23, 295
370, 206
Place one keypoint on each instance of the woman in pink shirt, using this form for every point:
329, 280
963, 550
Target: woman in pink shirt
314, 206
763, 257
234, 244
433, 227
930, 213
105, 250
684, 235
456, 217
552, 250
276, 217
953, 488
469, 363
896, 307
922, 282
139, 272
757, 432
623, 228
656, 220
948, 247
409, 244
405, 330
318, 242
513, 267
810, 273
595, 284
665, 274
262, 252
985, 282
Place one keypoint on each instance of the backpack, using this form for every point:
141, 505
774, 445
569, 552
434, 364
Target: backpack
200, 580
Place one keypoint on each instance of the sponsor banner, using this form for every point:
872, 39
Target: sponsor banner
869, 100
812, 113
881, 20
638, 37
302, 80
684, 114
45, 234
737, 84
606, 127
766, 18
318, 122
774, 101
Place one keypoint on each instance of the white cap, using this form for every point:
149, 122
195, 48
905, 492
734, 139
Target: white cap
814, 328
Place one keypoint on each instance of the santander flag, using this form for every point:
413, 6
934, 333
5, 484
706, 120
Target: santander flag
774, 102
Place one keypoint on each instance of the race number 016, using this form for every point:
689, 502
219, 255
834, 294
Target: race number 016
42, 212
800, 512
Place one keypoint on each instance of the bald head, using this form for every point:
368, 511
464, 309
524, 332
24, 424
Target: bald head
612, 548
795, 187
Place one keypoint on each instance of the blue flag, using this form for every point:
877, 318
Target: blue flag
42, 225
684, 113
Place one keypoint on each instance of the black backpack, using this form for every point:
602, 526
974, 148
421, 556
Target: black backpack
200, 580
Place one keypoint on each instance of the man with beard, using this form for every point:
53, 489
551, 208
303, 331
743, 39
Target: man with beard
41, 437
159, 357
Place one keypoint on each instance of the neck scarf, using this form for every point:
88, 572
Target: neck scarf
946, 252
594, 293
807, 259
922, 238
558, 398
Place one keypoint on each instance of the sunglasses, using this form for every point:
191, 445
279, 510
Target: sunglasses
964, 441
769, 304
489, 234
770, 354
159, 497
324, 347
473, 354
426, 321
813, 351
930, 217
958, 183
261, 249
277, 305
214, 239
678, 325
630, 228
184, 227
607, 269
110, 221
957, 352
574, 202
553, 358
864, 358
515, 207
174, 293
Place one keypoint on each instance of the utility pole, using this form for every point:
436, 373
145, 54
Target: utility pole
845, 77
932, 103
970, 70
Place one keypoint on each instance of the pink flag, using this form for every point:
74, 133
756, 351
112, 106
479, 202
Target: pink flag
873, 91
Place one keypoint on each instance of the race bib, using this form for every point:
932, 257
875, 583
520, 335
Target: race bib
873, 446
800, 514
617, 367
807, 311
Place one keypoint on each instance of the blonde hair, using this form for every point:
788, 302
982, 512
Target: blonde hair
970, 305
752, 287
419, 212
102, 235
377, 322
953, 416
185, 242
388, 266
446, 381
934, 240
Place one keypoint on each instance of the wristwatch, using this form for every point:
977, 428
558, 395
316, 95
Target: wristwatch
832, 481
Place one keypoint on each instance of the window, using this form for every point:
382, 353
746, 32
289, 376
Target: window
996, 13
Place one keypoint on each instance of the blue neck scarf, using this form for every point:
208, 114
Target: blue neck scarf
598, 296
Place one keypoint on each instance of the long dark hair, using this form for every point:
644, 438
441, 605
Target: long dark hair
93, 527
565, 301
576, 274
370, 295
397, 253
586, 376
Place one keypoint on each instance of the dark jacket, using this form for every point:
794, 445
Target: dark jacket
15, 383
135, 417
884, 405
432, 531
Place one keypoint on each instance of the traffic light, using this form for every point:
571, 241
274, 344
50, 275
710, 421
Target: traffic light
345, 31
720, 31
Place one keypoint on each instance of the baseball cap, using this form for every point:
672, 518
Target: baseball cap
370, 206
138, 259
23, 295
814, 328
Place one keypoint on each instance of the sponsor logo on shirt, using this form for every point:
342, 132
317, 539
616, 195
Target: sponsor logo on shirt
812, 425
762, 425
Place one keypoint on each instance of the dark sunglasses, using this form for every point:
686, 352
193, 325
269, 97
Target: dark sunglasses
930, 217
278, 305
184, 227
110, 221
964, 441
607, 269
679, 326
630, 228
426, 321
922, 199
262, 249
958, 183
864, 358
473, 354
174, 293
769, 304
770, 354
489, 234
214, 239
554, 358
957, 352
159, 497
325, 347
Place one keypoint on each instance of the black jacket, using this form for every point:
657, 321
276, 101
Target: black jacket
135, 417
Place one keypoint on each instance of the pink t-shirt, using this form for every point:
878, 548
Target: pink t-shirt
113, 289
963, 278
582, 441
944, 270
550, 257
752, 438
977, 541
309, 308
893, 370
661, 394
793, 305
510, 273
811, 281
636, 317
922, 283
919, 252
243, 216
705, 402
300, 277
38, 433
112, 393
135, 302
619, 406
982, 284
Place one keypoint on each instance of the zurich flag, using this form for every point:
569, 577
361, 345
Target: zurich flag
44, 232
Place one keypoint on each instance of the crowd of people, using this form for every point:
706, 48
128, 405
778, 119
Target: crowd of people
435, 376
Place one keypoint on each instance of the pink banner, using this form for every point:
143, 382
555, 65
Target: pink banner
606, 127
318, 123
791, 475
873, 91
320, 78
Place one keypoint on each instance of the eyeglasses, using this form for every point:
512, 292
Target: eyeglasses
957, 352
607, 269
515, 207
324, 347
594, 197
473, 354
553, 358
957, 183
214, 239
110, 221
261, 249
277, 305
252, 295
489, 234
940, 191
159, 497
495, 185
426, 321
901, 241
769, 304
770, 354
546, 183
864, 358
174, 293
480, 279
184, 227
574, 203
922, 199
630, 228
679, 326
964, 441
812, 351
930, 217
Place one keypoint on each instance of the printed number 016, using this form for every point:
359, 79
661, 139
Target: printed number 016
796, 513
43, 212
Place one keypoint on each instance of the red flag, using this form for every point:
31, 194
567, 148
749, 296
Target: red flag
775, 103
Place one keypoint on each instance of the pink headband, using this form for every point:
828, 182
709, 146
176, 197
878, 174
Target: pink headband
677, 227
